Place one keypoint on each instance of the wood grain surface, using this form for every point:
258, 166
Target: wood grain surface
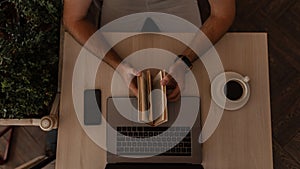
243, 137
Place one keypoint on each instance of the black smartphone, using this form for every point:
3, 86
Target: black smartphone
92, 107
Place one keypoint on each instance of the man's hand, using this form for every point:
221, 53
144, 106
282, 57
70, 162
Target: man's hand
176, 71
129, 75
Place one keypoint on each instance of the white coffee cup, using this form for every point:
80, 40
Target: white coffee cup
230, 90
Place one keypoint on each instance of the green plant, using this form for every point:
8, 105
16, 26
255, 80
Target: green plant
29, 43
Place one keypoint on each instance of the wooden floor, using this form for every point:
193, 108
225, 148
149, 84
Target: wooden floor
27, 143
281, 20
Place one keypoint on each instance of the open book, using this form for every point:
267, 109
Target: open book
152, 99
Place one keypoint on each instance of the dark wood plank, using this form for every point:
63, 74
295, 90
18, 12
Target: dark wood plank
25, 146
247, 8
37, 134
284, 92
295, 10
286, 129
275, 8
293, 147
4, 140
282, 159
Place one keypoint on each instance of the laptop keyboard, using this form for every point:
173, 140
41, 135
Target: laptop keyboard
179, 138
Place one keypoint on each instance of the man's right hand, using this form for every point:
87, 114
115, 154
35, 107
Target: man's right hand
129, 75
176, 71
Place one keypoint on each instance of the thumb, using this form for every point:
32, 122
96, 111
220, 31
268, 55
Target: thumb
136, 72
166, 79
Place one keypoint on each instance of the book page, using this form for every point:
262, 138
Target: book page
149, 96
143, 102
159, 100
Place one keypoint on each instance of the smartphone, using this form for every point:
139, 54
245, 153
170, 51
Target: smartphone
92, 107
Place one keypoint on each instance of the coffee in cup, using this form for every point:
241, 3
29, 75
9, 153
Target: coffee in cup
234, 90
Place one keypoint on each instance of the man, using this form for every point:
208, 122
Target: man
221, 17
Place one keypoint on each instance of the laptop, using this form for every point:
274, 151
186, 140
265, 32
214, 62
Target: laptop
173, 144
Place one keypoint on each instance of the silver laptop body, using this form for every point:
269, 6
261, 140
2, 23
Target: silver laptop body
186, 124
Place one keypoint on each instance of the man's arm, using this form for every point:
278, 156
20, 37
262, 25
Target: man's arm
75, 21
220, 19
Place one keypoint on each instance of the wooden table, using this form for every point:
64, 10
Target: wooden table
242, 139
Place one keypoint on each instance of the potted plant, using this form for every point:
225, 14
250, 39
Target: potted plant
29, 55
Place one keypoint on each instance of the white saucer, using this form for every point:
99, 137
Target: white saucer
218, 95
